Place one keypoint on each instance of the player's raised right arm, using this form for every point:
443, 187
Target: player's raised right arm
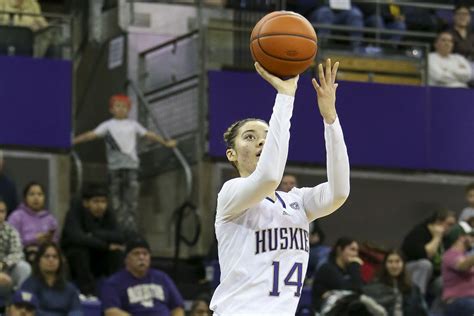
239, 194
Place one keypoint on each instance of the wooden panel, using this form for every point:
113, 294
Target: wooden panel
377, 65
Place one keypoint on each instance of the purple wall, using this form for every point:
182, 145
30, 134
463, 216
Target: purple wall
35, 96
388, 126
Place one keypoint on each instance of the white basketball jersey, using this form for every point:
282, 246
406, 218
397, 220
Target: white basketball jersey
263, 245
264, 260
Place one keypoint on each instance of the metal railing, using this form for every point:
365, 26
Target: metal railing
54, 40
176, 151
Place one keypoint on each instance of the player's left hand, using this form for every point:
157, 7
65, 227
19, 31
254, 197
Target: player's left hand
326, 91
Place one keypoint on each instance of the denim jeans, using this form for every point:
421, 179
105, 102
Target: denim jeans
460, 307
352, 18
378, 22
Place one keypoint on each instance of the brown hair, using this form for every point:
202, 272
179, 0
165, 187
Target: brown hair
232, 131
403, 282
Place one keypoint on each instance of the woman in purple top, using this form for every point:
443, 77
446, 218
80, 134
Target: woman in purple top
35, 224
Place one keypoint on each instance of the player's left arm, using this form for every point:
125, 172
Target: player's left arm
327, 197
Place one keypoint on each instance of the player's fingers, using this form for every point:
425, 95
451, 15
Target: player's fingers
335, 86
334, 71
328, 71
322, 79
315, 84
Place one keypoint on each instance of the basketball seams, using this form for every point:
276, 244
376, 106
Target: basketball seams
285, 34
282, 58
277, 16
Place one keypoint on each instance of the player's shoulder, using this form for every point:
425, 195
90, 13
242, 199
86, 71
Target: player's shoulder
228, 186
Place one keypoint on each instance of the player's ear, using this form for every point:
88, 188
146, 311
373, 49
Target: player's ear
231, 155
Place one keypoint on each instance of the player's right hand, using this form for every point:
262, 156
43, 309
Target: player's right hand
287, 87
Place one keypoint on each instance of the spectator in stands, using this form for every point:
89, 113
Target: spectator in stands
458, 271
394, 291
13, 269
120, 137
200, 307
446, 69
467, 214
56, 296
35, 224
22, 304
139, 290
91, 240
390, 17
352, 18
7, 188
23, 13
423, 248
340, 272
288, 182
462, 32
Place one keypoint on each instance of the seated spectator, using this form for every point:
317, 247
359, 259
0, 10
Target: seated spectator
91, 240
462, 32
23, 13
467, 214
458, 271
394, 291
13, 269
340, 272
391, 17
352, 18
35, 224
446, 69
55, 295
288, 182
423, 248
7, 188
200, 307
139, 290
22, 304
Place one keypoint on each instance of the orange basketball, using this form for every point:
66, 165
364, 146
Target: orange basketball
284, 43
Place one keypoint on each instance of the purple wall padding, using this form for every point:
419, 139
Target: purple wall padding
35, 102
387, 126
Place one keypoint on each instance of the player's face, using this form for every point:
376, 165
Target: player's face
248, 146
444, 44
120, 109
394, 265
20, 310
462, 17
138, 260
97, 205
3, 212
49, 262
35, 197
287, 183
470, 197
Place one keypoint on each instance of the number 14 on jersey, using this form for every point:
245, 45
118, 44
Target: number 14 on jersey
298, 268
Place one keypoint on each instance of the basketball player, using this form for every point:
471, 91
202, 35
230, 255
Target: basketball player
262, 234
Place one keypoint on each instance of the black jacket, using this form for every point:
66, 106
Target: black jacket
82, 229
413, 303
331, 277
